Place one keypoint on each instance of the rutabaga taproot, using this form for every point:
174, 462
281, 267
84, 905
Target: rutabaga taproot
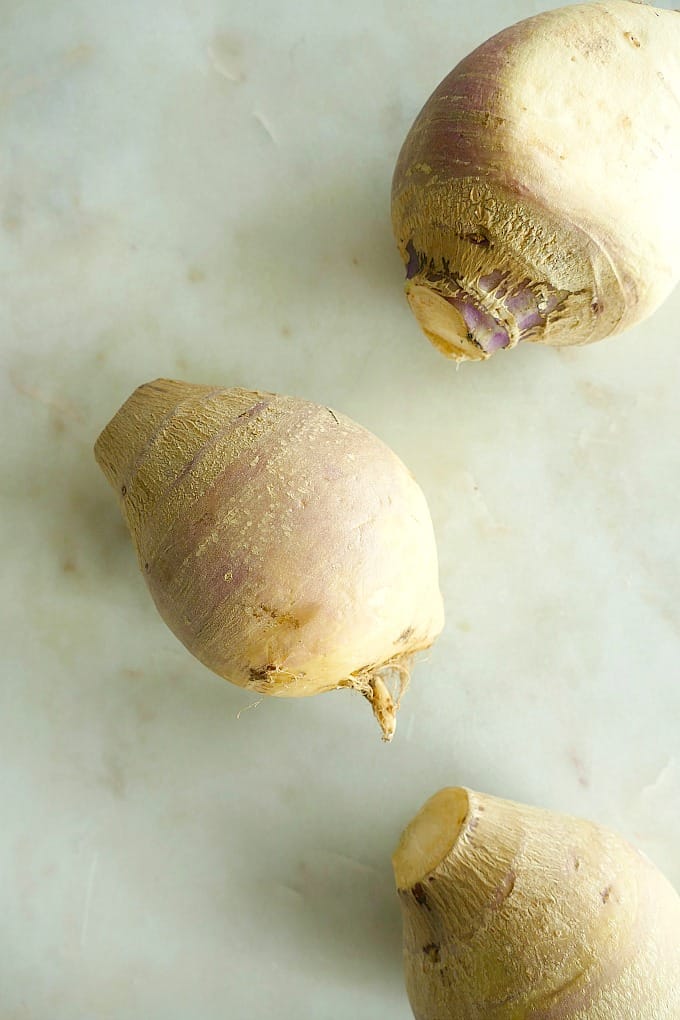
536, 195
288, 548
517, 913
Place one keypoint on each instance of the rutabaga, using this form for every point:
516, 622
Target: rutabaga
516, 913
536, 195
288, 548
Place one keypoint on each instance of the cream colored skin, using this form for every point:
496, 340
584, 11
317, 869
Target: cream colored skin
287, 547
551, 155
515, 913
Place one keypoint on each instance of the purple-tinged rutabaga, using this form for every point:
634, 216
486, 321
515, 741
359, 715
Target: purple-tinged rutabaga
517, 913
288, 548
536, 195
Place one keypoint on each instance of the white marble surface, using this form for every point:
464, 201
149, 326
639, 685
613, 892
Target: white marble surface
200, 189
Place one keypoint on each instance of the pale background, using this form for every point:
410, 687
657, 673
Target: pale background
200, 189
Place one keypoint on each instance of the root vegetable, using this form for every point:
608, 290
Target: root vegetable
535, 196
516, 913
287, 547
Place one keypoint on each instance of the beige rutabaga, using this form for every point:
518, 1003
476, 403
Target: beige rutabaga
536, 195
516, 913
286, 546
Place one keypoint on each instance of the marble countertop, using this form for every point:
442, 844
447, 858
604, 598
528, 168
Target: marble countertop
200, 190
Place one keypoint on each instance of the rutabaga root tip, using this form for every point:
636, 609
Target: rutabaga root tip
384, 703
384, 708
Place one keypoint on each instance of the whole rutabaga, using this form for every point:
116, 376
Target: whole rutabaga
516, 913
536, 195
287, 547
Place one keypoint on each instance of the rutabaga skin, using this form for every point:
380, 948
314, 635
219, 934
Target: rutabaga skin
536, 195
515, 913
287, 547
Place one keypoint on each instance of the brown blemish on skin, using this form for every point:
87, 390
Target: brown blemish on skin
195, 274
419, 895
432, 951
261, 675
479, 239
69, 565
282, 619
606, 894
405, 635
633, 40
